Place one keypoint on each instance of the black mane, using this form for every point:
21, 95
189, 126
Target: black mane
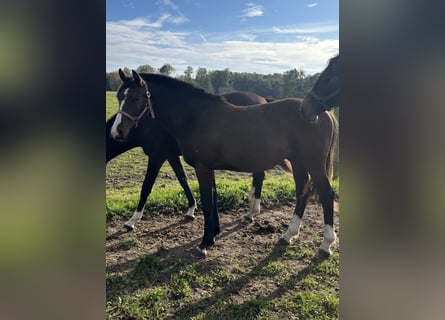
334, 59
179, 86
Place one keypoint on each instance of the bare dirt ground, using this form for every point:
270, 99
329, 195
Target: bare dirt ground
238, 240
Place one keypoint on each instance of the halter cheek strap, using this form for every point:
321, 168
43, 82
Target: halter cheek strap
323, 100
148, 108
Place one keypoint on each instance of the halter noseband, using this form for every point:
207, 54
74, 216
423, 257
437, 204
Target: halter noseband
323, 100
148, 108
319, 100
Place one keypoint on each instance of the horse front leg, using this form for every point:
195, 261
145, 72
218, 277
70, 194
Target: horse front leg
154, 165
206, 179
254, 197
216, 229
182, 178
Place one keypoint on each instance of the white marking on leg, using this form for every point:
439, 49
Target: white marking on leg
329, 238
251, 197
202, 251
191, 211
256, 206
137, 215
118, 119
293, 229
254, 209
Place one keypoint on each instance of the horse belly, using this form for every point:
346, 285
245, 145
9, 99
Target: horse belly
252, 156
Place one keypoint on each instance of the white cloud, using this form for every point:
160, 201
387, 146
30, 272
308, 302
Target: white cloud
137, 42
170, 4
308, 28
253, 10
248, 37
180, 18
202, 37
311, 5
142, 22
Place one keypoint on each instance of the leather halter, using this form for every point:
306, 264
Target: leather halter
148, 107
323, 100
319, 100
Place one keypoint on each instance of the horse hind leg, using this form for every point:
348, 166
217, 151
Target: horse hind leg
216, 227
254, 196
326, 194
175, 163
154, 165
302, 183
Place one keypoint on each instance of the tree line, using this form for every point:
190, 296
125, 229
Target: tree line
291, 83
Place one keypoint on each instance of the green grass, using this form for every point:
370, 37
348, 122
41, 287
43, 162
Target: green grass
186, 291
129, 243
111, 103
147, 264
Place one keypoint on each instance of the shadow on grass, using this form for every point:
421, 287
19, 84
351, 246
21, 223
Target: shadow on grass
216, 306
166, 263
181, 254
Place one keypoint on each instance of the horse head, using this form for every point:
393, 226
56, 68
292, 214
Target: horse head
325, 92
134, 104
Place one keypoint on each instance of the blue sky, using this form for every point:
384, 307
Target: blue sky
245, 36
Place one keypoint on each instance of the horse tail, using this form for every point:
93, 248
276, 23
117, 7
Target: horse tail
286, 166
330, 158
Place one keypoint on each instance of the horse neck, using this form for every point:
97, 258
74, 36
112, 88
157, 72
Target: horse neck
176, 112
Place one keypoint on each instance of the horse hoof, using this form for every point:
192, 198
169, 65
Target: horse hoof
323, 254
201, 253
248, 219
128, 228
188, 218
283, 242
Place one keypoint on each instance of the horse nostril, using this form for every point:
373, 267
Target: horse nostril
116, 134
120, 136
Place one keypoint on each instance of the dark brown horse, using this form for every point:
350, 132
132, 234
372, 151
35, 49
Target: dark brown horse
214, 134
325, 93
160, 146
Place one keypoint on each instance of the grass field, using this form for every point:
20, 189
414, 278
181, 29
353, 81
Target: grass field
146, 282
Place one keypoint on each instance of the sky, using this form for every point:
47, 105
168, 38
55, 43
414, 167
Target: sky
265, 37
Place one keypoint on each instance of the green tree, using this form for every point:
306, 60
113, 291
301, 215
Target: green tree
221, 81
202, 80
188, 74
146, 68
113, 81
293, 83
167, 69
127, 71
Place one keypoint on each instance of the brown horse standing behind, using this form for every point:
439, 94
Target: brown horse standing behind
214, 134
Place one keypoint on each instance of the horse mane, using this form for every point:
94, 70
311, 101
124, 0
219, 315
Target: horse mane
180, 86
334, 58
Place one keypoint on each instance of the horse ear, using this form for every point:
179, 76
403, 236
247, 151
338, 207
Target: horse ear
122, 75
137, 78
